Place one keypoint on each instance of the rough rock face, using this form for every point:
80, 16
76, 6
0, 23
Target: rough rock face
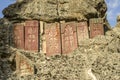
4, 35
5, 65
95, 59
106, 66
51, 10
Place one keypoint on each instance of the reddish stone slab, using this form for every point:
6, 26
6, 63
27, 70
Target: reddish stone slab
31, 23
82, 31
52, 37
19, 36
69, 37
24, 67
31, 35
96, 28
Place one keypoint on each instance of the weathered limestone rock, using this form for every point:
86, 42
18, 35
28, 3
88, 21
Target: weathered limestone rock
106, 66
52, 10
116, 30
95, 59
91, 61
4, 35
5, 65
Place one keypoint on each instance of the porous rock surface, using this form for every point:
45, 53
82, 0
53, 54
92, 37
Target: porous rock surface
53, 10
95, 59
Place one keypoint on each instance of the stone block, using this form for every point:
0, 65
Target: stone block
69, 37
19, 35
52, 39
96, 27
82, 31
23, 65
32, 35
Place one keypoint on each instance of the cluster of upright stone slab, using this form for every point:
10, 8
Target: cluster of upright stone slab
55, 38
26, 35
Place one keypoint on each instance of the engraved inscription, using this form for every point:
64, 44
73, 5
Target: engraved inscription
31, 36
69, 39
96, 29
52, 35
25, 67
19, 36
82, 31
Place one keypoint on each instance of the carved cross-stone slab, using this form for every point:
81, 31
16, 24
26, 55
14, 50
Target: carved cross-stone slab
82, 31
96, 27
52, 37
19, 36
23, 65
31, 35
69, 37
